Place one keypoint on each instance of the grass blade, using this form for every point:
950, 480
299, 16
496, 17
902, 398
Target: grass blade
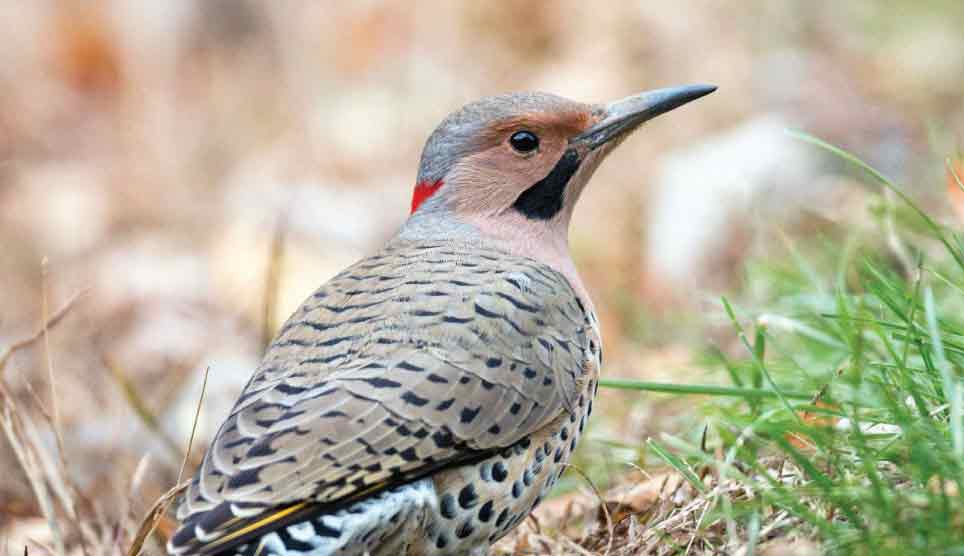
676, 463
698, 389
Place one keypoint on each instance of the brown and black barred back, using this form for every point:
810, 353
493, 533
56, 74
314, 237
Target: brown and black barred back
423, 356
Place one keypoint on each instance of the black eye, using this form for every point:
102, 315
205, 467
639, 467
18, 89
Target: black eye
524, 141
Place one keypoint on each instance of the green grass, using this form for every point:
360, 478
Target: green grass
846, 409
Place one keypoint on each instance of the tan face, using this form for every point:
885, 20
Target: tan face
512, 155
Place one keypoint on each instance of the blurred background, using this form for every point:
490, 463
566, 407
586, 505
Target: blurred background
161, 158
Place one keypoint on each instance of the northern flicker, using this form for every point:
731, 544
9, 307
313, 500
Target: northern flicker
425, 399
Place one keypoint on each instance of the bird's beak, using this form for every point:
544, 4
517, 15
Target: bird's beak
623, 116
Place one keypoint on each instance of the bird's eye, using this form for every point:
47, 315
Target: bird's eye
524, 141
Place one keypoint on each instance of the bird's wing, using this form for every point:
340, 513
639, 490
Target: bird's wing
417, 358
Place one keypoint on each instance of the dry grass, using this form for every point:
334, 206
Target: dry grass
74, 520
661, 515
57, 495
160, 508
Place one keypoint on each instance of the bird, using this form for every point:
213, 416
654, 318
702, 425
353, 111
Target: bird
424, 400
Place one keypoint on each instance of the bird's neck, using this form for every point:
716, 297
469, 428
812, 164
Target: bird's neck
543, 241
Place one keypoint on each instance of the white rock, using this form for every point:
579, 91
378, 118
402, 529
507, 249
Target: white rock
701, 190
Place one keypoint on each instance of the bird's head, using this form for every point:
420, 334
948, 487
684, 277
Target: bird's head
516, 164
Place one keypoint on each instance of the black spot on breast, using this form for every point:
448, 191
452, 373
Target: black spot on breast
447, 506
517, 489
465, 529
445, 404
503, 516
467, 497
527, 477
485, 471
485, 512
499, 472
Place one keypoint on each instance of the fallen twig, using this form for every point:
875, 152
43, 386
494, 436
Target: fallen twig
53, 321
157, 511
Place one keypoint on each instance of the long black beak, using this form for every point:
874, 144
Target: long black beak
625, 115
